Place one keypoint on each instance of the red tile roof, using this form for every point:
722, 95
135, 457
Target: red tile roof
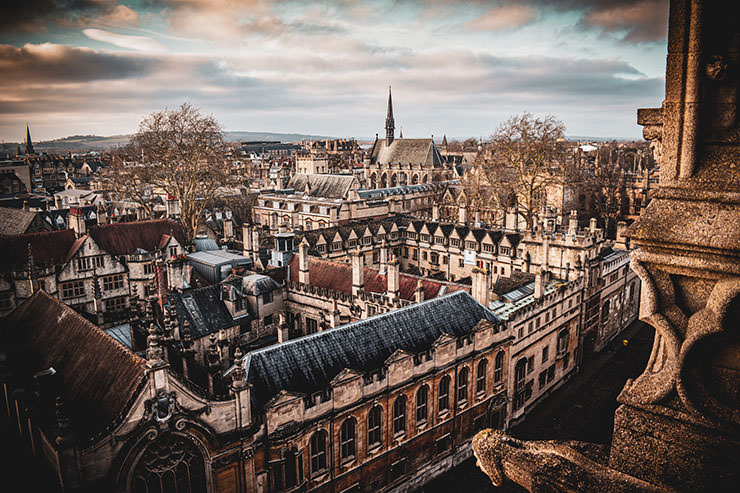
98, 376
334, 275
126, 238
48, 247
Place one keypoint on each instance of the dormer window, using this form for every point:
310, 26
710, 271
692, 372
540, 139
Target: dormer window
240, 304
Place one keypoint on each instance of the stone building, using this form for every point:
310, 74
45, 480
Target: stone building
321, 201
393, 162
676, 426
387, 401
93, 270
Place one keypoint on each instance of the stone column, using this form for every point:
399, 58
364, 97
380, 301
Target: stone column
676, 428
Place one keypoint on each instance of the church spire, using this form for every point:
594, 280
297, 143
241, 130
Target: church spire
29, 144
390, 124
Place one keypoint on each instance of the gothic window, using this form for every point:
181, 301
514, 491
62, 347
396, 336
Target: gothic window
498, 367
399, 415
169, 464
422, 396
373, 426
480, 381
462, 385
444, 394
318, 452
347, 438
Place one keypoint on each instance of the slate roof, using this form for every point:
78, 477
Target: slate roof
205, 311
335, 275
308, 364
48, 247
125, 238
98, 377
327, 186
18, 221
414, 151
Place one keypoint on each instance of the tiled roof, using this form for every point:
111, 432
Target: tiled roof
308, 364
125, 238
49, 248
327, 186
205, 311
98, 376
414, 151
337, 276
17, 221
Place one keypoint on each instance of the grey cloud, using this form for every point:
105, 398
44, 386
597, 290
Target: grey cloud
30, 16
52, 64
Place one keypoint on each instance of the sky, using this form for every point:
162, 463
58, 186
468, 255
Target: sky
457, 67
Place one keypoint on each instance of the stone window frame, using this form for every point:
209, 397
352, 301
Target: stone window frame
348, 439
498, 367
422, 404
399, 415
374, 427
480, 380
461, 386
443, 396
318, 452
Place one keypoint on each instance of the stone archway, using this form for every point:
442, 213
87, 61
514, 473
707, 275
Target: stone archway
415, 179
383, 181
373, 181
394, 180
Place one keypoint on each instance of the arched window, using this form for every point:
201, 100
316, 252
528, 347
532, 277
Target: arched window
520, 374
374, 418
480, 381
632, 291
318, 452
169, 463
422, 397
498, 367
347, 438
399, 415
462, 385
444, 393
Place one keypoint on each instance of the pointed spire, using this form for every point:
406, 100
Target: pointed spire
400, 134
390, 124
154, 351
444, 141
29, 144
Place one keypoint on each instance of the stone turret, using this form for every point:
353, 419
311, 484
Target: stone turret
77, 221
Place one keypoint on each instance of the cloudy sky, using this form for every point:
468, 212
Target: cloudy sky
458, 67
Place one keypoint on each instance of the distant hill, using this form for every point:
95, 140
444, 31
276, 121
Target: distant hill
83, 143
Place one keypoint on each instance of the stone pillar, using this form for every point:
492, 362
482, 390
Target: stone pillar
540, 282
573, 223
246, 240
241, 390
255, 242
383, 254
228, 228
481, 286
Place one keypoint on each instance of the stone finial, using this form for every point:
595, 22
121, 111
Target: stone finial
213, 357
154, 350
238, 374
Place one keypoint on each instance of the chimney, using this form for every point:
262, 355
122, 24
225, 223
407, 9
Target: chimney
246, 240
358, 272
481, 286
592, 225
303, 262
335, 316
394, 279
419, 292
255, 242
463, 215
477, 219
545, 259
383, 257
435, 212
228, 228
621, 239
512, 219
573, 222
540, 281
77, 221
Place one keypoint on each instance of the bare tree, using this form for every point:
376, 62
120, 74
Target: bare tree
179, 152
526, 158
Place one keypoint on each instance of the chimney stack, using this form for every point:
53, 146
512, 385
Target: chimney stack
463, 214
511, 221
358, 272
621, 239
383, 257
77, 221
303, 262
419, 292
246, 240
481, 286
435, 212
573, 222
228, 228
540, 281
394, 279
592, 225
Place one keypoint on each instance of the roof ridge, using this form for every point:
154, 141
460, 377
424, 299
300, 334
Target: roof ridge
374, 317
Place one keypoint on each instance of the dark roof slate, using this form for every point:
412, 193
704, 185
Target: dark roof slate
49, 248
205, 310
308, 364
99, 377
328, 186
126, 238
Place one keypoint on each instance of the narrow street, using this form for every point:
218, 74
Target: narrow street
583, 409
